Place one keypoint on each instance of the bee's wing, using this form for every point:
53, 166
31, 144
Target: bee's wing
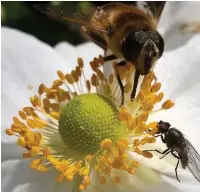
193, 160
156, 8
82, 17
153, 8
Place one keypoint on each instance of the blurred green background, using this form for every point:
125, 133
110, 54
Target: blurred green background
21, 15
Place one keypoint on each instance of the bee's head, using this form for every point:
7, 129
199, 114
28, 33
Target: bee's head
163, 127
143, 48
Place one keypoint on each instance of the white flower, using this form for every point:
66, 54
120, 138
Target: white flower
32, 62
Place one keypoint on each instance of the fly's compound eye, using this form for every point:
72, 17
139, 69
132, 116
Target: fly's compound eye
133, 43
158, 40
163, 126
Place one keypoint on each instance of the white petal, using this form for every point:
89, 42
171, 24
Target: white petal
179, 11
25, 61
87, 51
144, 180
11, 151
174, 14
178, 69
184, 186
17, 175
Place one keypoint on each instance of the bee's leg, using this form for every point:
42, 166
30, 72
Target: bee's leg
110, 58
136, 78
121, 63
176, 156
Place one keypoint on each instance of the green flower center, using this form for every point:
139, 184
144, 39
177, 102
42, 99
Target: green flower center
88, 119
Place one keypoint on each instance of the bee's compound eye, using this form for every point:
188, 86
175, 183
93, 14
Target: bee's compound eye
158, 40
141, 37
131, 46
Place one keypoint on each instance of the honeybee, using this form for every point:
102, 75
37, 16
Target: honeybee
123, 30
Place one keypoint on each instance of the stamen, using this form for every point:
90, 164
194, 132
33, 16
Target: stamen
106, 144
167, 104
61, 75
77, 132
102, 180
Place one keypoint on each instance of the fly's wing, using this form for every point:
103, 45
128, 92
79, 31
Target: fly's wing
193, 160
82, 17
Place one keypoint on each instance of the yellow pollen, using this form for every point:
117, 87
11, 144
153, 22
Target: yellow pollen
167, 104
69, 78
42, 168
94, 80
82, 187
147, 154
88, 136
128, 87
106, 144
88, 158
136, 142
111, 79
131, 171
80, 62
10, 132
84, 171
100, 74
61, 75
102, 180
135, 164
156, 87
117, 179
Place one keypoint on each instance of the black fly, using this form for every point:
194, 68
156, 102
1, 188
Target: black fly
180, 148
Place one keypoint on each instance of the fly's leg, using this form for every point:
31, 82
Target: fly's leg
177, 157
163, 152
166, 153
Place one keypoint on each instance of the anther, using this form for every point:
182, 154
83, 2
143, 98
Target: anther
156, 87
80, 62
61, 75
167, 104
69, 78
106, 144
94, 80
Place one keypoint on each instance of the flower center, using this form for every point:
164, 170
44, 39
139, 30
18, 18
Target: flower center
86, 120
90, 133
